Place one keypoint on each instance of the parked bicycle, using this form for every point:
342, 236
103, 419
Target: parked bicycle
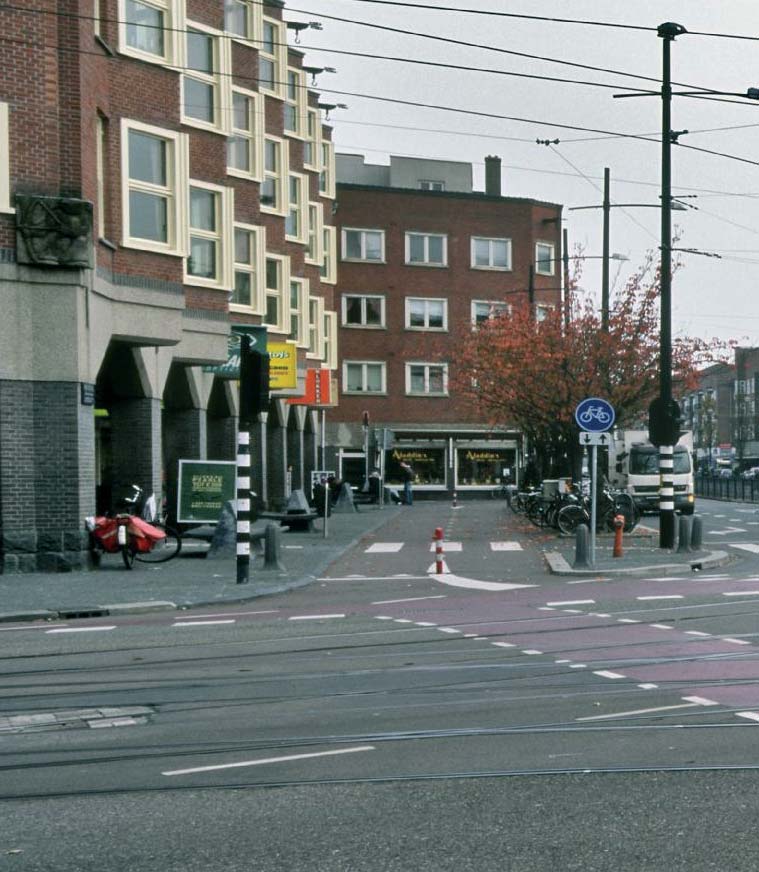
610, 504
132, 534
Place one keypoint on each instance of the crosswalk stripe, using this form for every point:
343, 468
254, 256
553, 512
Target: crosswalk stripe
505, 546
384, 548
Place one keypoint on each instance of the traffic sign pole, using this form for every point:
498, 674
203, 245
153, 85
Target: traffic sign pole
593, 501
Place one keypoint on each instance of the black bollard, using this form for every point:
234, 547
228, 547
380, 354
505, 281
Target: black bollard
696, 533
272, 540
684, 533
582, 547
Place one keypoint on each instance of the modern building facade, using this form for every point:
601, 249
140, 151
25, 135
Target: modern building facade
423, 259
165, 177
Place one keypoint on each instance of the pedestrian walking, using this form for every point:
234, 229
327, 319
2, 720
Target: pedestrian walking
408, 476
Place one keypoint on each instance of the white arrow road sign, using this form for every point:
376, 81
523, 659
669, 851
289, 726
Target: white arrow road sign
594, 439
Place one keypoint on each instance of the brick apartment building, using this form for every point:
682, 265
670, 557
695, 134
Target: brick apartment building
165, 174
423, 259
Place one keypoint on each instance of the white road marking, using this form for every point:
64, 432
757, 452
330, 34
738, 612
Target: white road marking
314, 617
745, 546
696, 633
648, 686
741, 593
425, 624
30, 627
736, 641
449, 630
670, 596
403, 620
727, 531
604, 673
413, 599
545, 609
447, 546
693, 701
266, 760
457, 581
81, 629
324, 580
662, 626
384, 548
573, 611
236, 614
432, 570
752, 716
201, 623
627, 621
531, 651
383, 618
571, 602
602, 615
504, 645
505, 546
578, 665
562, 661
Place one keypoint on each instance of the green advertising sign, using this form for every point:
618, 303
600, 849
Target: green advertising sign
204, 487
231, 369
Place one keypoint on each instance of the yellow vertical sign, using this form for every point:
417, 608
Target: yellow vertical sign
282, 365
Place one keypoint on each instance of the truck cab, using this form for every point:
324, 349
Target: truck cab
634, 467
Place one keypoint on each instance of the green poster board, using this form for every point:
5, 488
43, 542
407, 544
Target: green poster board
204, 487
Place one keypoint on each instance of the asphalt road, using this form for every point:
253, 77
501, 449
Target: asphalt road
490, 717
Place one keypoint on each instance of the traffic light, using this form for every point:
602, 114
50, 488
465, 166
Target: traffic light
254, 381
663, 422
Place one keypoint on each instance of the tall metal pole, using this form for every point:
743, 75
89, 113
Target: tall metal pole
565, 258
605, 258
667, 32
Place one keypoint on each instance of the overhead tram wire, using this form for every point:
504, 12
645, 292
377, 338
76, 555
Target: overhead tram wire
618, 25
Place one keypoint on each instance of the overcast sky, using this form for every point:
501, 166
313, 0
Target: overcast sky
711, 297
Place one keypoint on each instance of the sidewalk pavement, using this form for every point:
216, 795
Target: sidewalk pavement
641, 554
188, 580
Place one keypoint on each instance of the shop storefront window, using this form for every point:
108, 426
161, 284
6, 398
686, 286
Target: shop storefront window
485, 466
428, 465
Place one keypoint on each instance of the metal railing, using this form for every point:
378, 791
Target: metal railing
713, 488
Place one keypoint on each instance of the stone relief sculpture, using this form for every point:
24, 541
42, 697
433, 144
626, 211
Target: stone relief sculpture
54, 231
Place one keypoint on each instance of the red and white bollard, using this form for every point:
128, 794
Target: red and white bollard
619, 526
438, 537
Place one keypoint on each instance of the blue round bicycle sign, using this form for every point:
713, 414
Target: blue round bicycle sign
595, 415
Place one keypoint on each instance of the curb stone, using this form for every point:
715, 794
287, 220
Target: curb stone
558, 565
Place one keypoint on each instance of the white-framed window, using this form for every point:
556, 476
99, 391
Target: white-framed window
272, 59
328, 270
5, 169
327, 174
315, 328
330, 340
363, 310
277, 292
152, 30
366, 245
312, 149
364, 377
426, 249
245, 145
431, 185
154, 170
315, 242
206, 80
542, 311
486, 310
489, 253
427, 379
299, 312
101, 132
424, 313
295, 103
544, 258
274, 187
297, 220
210, 219
249, 256
243, 19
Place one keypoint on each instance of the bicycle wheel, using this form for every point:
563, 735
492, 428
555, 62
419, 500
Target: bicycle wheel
164, 549
570, 518
515, 503
127, 555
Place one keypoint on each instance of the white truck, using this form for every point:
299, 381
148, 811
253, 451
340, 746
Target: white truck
634, 467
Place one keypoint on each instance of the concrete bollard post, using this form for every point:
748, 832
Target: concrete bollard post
272, 542
683, 535
696, 533
582, 547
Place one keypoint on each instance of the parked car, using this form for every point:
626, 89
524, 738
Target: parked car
724, 473
753, 472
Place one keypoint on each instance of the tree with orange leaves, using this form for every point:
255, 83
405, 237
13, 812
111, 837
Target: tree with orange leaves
531, 374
